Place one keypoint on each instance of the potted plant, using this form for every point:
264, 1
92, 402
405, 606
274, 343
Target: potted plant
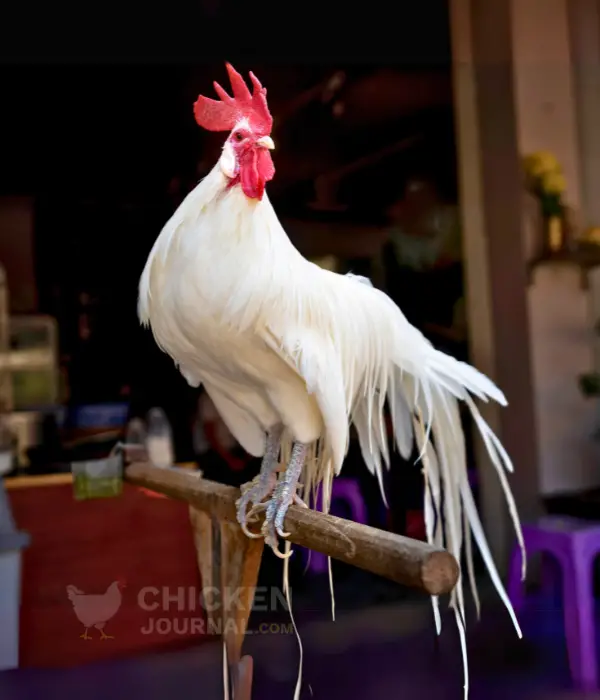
545, 180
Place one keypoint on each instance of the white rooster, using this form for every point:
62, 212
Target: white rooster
292, 354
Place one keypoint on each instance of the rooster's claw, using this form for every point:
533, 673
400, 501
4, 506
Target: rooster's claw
282, 499
253, 494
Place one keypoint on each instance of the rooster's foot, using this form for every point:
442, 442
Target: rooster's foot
254, 493
103, 635
276, 510
262, 486
85, 635
283, 497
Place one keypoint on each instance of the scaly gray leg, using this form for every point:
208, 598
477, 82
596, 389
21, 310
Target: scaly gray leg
283, 497
262, 485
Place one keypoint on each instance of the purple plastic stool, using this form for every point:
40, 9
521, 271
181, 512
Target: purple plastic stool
344, 490
574, 544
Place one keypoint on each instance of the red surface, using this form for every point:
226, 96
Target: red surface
90, 544
415, 525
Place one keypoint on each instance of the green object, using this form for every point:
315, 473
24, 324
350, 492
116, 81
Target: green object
99, 478
33, 388
552, 204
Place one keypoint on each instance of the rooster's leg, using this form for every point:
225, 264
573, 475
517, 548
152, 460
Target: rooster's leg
262, 485
283, 497
85, 635
103, 635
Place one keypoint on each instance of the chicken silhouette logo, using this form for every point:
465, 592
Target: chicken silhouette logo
95, 610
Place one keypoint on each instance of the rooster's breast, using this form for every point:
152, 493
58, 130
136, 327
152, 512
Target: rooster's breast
237, 368
212, 296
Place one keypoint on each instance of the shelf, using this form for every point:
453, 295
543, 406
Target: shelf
35, 359
585, 258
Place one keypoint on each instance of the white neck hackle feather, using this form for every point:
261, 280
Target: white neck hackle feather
274, 338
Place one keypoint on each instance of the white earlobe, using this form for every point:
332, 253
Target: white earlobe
228, 162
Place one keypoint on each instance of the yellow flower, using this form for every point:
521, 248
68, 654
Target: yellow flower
540, 163
553, 183
592, 235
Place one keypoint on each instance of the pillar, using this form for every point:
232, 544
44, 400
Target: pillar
489, 157
527, 77
584, 34
546, 110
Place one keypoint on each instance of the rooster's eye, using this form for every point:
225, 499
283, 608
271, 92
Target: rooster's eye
239, 136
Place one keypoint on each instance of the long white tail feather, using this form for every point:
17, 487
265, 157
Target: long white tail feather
467, 378
446, 449
470, 566
401, 417
424, 406
460, 623
371, 457
449, 420
493, 445
499, 459
331, 588
478, 534
451, 517
431, 508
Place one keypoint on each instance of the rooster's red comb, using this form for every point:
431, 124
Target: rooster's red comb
223, 115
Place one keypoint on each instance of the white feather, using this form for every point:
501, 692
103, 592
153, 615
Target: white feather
275, 338
227, 161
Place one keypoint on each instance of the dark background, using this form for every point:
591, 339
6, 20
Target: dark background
96, 124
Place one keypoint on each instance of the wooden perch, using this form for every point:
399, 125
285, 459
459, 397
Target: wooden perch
229, 561
401, 559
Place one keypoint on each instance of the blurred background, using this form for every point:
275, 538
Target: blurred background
460, 174
371, 191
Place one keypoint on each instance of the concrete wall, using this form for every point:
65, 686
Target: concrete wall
545, 105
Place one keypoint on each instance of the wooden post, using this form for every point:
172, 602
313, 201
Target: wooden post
205, 531
229, 561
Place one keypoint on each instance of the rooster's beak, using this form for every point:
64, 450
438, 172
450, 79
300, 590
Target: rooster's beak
266, 142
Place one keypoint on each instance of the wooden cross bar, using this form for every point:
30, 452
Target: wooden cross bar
229, 561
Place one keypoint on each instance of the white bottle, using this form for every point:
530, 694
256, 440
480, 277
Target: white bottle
159, 439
